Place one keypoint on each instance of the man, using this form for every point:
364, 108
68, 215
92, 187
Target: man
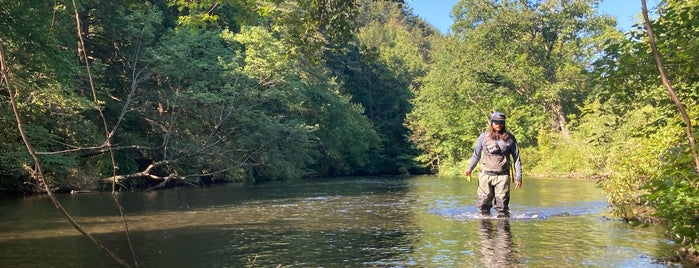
496, 149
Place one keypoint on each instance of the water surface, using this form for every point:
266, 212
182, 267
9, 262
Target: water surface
420, 221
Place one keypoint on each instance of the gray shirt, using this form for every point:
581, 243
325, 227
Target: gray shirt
509, 148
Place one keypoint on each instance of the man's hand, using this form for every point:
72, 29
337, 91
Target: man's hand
518, 184
467, 172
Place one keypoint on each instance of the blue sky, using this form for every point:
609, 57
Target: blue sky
436, 12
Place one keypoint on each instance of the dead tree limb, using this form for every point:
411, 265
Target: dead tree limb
36, 172
107, 141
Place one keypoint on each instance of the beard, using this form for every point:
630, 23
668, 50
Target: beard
499, 133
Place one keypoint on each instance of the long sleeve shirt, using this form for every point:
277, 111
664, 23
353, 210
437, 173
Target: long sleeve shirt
509, 148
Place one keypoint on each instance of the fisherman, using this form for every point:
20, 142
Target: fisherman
497, 150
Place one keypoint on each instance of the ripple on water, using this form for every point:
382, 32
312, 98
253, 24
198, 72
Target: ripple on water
524, 212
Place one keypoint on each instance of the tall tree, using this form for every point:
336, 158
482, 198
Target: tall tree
379, 71
527, 59
539, 50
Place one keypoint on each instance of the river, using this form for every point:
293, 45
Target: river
418, 221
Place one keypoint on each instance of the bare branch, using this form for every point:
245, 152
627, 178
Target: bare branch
37, 172
107, 142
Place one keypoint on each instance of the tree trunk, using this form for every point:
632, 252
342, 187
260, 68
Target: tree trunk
559, 118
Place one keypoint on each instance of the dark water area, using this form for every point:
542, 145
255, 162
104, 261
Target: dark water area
420, 221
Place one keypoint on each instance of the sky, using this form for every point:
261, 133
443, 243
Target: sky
436, 12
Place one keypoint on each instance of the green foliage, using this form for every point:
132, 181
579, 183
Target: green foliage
653, 177
526, 60
536, 51
313, 27
267, 90
229, 90
675, 197
559, 157
633, 160
378, 72
652, 173
214, 14
580, 155
345, 138
42, 67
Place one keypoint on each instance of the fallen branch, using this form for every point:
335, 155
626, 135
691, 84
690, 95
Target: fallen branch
145, 173
164, 182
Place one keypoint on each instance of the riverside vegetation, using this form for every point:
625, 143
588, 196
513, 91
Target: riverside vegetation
130, 94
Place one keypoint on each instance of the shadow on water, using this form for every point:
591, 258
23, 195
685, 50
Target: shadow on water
218, 246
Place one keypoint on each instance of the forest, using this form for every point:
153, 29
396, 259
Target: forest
126, 95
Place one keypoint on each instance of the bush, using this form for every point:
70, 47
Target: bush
564, 157
675, 195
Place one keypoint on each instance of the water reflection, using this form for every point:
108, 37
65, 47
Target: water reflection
497, 249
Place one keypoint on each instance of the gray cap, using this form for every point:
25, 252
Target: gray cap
497, 116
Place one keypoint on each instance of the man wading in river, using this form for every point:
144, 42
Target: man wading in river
496, 149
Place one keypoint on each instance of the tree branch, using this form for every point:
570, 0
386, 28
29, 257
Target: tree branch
668, 87
107, 142
37, 172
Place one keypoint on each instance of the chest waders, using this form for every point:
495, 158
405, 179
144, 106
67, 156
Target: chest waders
494, 178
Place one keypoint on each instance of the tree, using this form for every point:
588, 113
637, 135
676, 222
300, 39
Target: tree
529, 60
378, 70
538, 50
187, 89
654, 172
41, 65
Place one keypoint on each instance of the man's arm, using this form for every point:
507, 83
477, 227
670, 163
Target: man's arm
517, 162
476, 155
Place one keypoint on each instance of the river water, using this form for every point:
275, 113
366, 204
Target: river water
420, 221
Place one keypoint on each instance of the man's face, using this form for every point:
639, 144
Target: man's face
498, 125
